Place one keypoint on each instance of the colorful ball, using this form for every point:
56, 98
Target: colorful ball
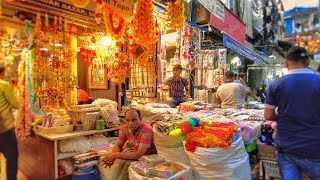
191, 122
176, 133
196, 121
185, 127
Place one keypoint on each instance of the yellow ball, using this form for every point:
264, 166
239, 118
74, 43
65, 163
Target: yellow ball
176, 133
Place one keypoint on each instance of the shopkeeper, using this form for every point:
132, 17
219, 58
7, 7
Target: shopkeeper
231, 94
177, 86
135, 140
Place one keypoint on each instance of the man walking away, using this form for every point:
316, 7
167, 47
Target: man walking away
296, 97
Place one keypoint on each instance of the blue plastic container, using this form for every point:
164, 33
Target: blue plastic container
93, 175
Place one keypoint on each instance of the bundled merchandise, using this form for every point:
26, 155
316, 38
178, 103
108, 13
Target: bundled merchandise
152, 159
84, 144
65, 167
209, 74
86, 115
108, 111
194, 106
79, 144
163, 170
250, 130
86, 160
201, 95
168, 139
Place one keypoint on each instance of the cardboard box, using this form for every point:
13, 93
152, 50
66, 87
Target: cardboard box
266, 152
202, 14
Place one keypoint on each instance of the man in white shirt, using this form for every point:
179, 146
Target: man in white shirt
231, 94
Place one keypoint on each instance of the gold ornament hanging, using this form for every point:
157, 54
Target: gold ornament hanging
175, 14
144, 25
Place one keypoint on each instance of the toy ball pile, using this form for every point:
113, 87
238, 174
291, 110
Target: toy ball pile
185, 127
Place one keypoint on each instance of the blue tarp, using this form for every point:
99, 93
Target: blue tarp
299, 10
234, 45
289, 25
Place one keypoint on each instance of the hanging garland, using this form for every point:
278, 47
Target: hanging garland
114, 23
175, 14
112, 19
144, 25
119, 67
88, 53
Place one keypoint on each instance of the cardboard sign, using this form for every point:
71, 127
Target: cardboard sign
123, 8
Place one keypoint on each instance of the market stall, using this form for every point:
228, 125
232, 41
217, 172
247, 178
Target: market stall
114, 44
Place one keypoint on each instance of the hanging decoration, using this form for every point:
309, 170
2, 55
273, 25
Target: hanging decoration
119, 66
144, 24
175, 14
54, 51
114, 23
80, 3
88, 52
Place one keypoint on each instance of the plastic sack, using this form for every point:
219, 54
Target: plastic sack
79, 144
170, 148
108, 110
98, 140
152, 159
221, 163
113, 172
185, 174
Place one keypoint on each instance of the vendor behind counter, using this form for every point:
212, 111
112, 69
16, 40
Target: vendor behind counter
178, 87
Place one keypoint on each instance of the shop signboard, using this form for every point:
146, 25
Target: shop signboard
65, 6
232, 44
215, 7
123, 7
218, 10
224, 20
317, 58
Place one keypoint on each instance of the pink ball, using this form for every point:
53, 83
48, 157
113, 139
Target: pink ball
274, 125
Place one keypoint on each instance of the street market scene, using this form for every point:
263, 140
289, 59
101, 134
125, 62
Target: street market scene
159, 89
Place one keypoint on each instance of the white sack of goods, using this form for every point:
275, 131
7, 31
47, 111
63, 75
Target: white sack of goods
216, 151
221, 163
169, 147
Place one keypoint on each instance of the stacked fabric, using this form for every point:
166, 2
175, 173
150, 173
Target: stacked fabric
86, 160
194, 106
217, 135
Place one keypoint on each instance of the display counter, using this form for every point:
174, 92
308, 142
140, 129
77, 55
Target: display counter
39, 155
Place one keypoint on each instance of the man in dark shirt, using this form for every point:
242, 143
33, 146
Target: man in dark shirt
296, 96
262, 93
177, 85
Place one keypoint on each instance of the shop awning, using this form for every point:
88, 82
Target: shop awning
232, 44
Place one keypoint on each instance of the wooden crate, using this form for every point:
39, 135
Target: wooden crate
266, 152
